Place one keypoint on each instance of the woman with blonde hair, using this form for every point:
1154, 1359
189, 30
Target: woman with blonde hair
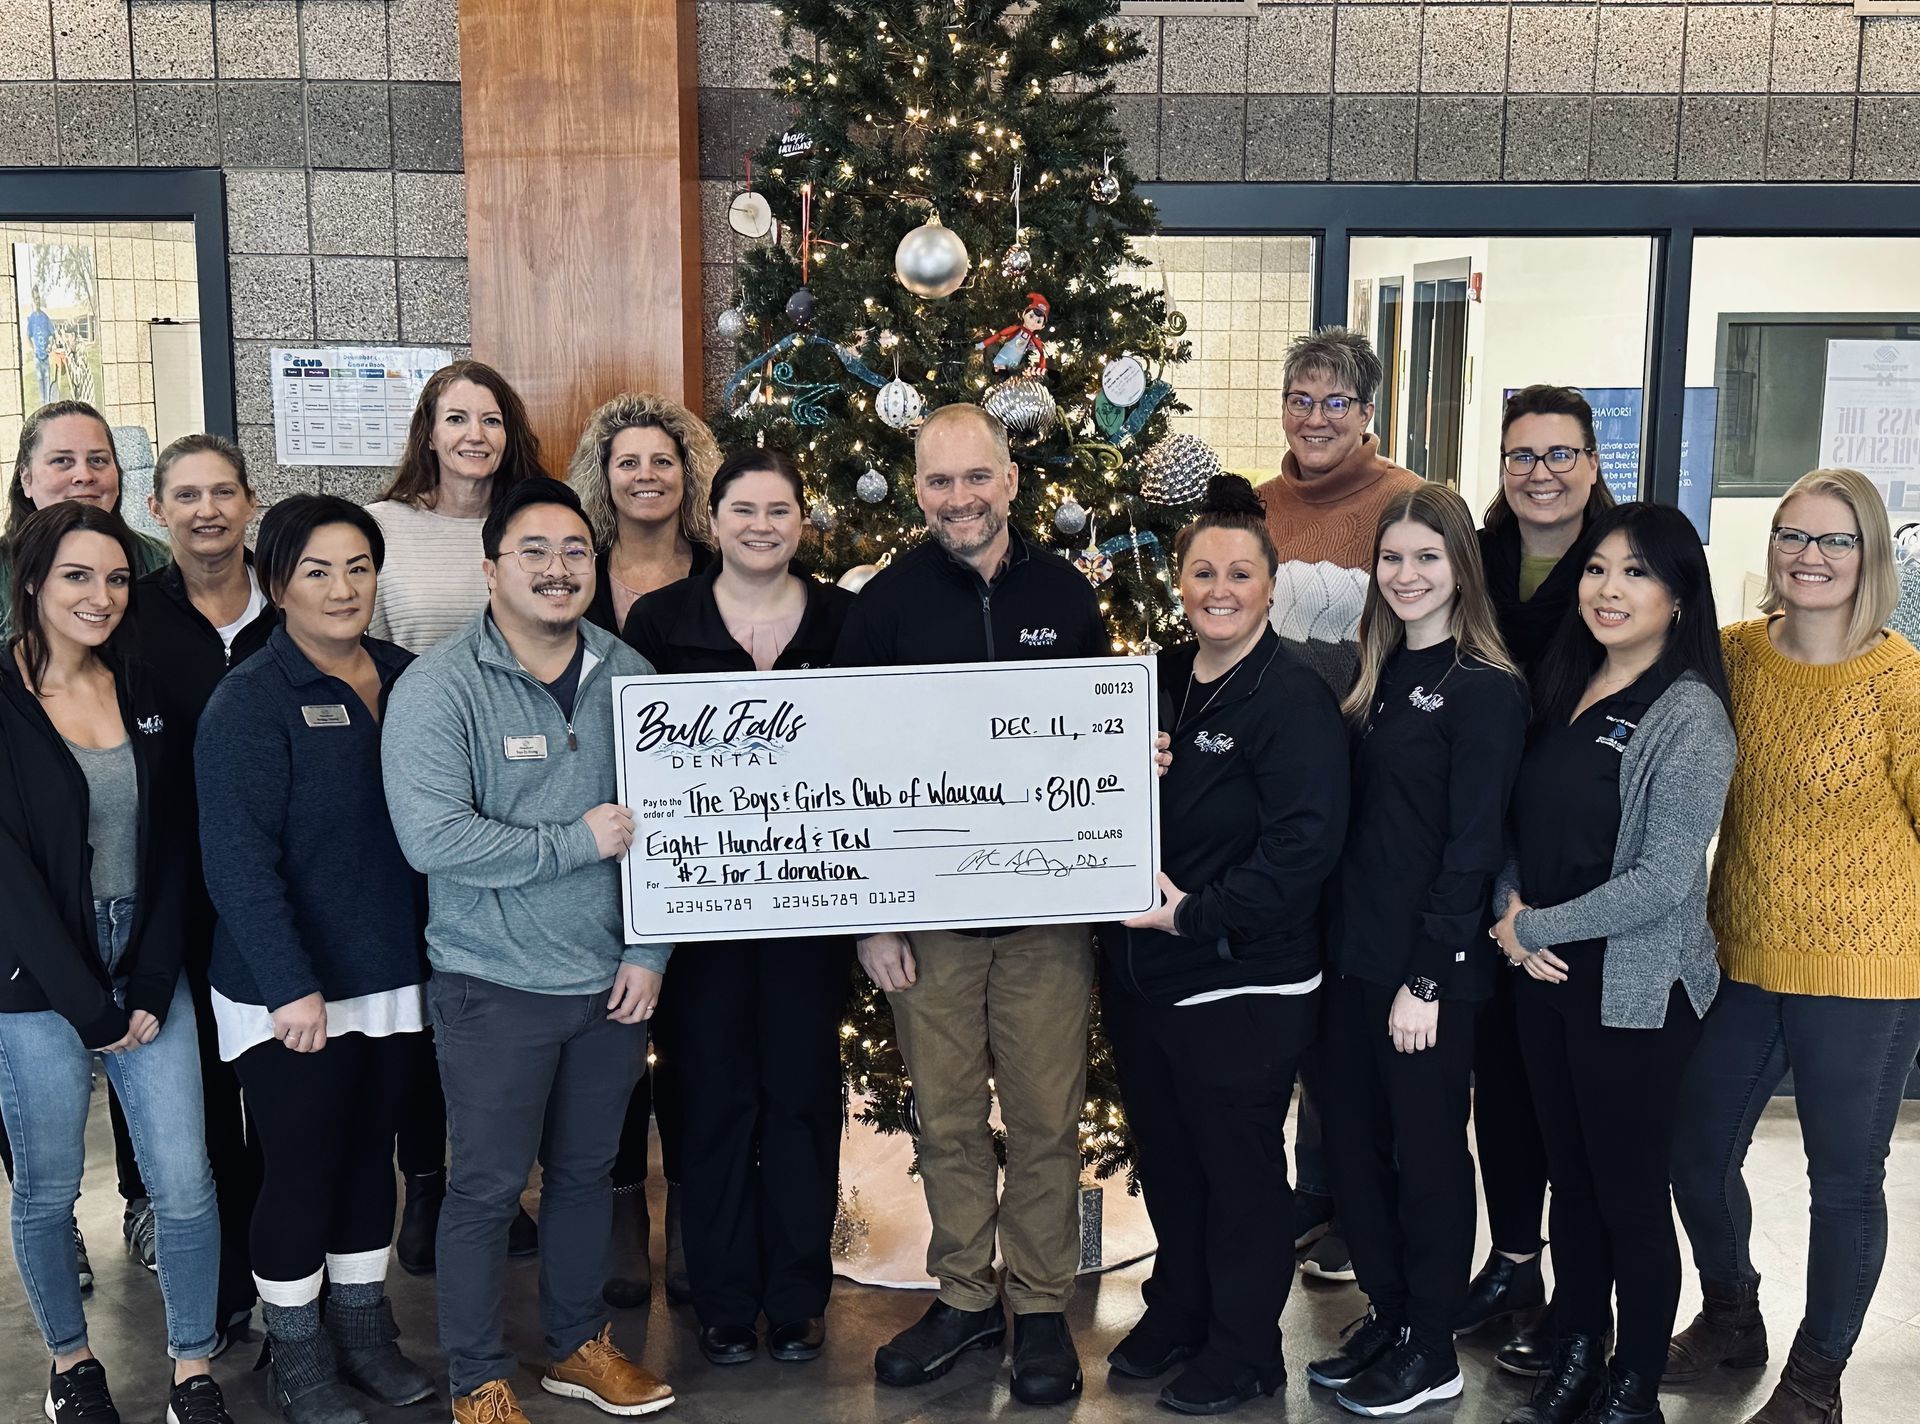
642, 469
1815, 899
1438, 715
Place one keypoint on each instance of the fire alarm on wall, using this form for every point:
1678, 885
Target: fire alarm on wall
1473, 285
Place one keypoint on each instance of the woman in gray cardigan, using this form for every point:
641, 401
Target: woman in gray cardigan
1603, 909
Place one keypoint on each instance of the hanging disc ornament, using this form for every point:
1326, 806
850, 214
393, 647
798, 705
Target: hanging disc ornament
931, 261
1071, 516
899, 405
1124, 381
1176, 470
730, 324
749, 215
801, 307
1105, 188
1024, 405
871, 486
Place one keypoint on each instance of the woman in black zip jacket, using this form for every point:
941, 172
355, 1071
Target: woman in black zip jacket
1211, 999
94, 871
1439, 719
757, 1024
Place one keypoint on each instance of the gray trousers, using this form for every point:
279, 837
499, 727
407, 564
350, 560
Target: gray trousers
526, 1075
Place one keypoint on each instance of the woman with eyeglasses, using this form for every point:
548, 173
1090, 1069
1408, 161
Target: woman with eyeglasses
1816, 902
1550, 488
1604, 912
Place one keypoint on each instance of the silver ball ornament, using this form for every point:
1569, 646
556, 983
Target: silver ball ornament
1017, 263
731, 323
1176, 470
823, 517
899, 405
871, 486
1070, 517
1024, 405
1104, 189
931, 261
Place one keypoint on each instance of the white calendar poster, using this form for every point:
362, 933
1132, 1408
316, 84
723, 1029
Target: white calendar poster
347, 405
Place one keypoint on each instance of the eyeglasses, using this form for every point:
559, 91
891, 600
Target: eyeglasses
538, 558
1335, 408
1795, 541
1558, 458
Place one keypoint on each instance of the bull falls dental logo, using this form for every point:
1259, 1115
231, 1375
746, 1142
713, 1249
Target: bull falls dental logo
750, 732
1219, 745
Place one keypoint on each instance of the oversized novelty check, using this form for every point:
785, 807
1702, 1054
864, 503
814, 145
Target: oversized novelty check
849, 800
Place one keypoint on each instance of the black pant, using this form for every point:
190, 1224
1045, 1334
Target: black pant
1513, 1158
656, 1095
232, 1151
758, 1030
421, 1139
326, 1121
1396, 1130
1205, 1088
1607, 1099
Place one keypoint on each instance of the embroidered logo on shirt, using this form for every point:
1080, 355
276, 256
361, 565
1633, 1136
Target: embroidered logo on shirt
151, 725
1426, 701
1038, 637
1219, 746
1619, 732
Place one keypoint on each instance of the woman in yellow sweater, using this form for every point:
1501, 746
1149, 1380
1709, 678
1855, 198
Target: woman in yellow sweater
1815, 901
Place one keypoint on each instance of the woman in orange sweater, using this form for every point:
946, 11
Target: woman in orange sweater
1815, 901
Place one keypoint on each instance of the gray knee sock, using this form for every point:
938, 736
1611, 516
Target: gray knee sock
293, 1322
358, 1295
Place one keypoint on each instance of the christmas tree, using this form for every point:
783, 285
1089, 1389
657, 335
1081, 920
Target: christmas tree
949, 214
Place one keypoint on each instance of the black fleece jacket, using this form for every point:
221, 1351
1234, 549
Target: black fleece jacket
679, 628
1527, 625
49, 956
183, 649
1253, 812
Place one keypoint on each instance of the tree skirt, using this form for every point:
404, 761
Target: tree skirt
880, 1238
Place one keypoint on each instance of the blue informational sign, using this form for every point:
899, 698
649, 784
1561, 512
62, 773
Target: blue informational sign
1699, 420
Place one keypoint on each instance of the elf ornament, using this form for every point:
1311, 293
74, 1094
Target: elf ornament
1020, 343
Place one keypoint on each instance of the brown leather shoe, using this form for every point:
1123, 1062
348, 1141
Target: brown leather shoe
598, 1373
492, 1403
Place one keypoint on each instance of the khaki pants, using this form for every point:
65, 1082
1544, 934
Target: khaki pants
1012, 1009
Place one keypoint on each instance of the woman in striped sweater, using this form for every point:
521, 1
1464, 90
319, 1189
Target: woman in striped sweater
1816, 903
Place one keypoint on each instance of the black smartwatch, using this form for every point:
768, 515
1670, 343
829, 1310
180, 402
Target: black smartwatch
1423, 989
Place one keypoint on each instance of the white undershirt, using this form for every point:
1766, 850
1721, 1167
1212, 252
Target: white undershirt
256, 605
391, 1011
1213, 996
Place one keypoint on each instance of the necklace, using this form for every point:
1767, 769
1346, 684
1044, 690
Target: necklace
1211, 700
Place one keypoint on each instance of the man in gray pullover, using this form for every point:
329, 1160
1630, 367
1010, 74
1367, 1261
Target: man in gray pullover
498, 758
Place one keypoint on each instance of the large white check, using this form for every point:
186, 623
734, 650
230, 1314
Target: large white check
849, 800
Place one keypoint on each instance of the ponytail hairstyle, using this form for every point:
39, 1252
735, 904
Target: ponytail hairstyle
1668, 548
1229, 503
1470, 621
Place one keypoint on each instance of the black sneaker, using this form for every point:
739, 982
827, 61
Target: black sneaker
926, 1349
1400, 1381
1329, 1260
1151, 1348
79, 1395
137, 1227
1366, 1341
1503, 1289
196, 1401
1201, 1389
83, 1268
1312, 1215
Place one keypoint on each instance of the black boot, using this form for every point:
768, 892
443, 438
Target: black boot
1046, 1367
1529, 1353
1566, 1392
303, 1382
1728, 1331
420, 1222
1630, 1398
632, 1287
364, 1340
1809, 1389
1503, 1289
927, 1349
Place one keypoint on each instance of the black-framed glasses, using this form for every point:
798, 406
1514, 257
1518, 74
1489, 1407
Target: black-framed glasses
1836, 545
538, 558
1557, 458
1336, 408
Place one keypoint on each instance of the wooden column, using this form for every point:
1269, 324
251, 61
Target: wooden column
583, 202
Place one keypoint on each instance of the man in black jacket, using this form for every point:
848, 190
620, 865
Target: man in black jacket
1006, 1003
191, 621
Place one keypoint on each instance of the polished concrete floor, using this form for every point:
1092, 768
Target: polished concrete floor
1882, 1386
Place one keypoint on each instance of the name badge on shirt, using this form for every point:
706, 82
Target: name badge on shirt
325, 715
532, 748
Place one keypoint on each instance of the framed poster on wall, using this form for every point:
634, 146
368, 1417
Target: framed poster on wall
58, 298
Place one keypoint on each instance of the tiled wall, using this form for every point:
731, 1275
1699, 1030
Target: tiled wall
337, 123
142, 271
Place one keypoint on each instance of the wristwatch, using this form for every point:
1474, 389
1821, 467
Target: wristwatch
1423, 989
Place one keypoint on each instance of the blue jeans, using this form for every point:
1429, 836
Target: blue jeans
46, 1081
1850, 1059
